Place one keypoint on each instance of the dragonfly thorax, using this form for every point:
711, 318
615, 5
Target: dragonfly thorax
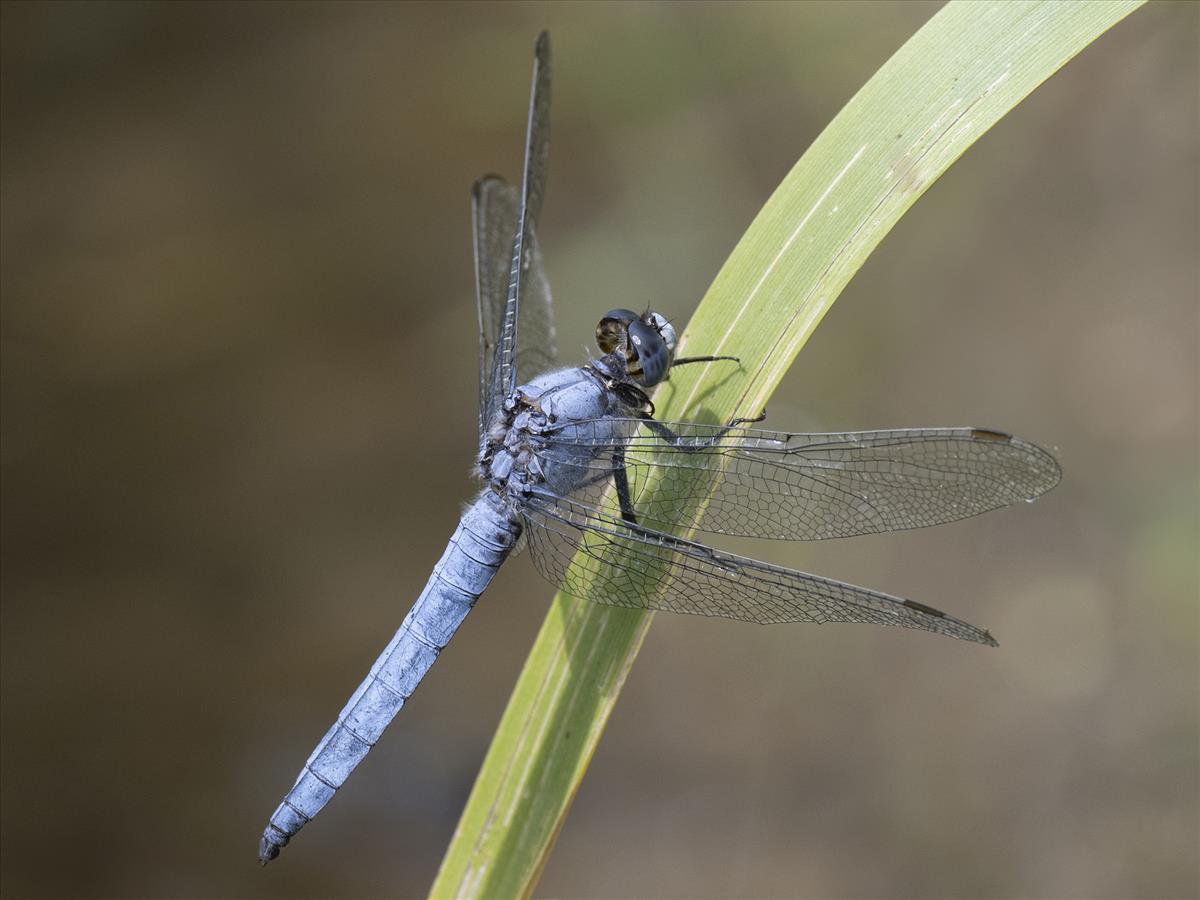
562, 402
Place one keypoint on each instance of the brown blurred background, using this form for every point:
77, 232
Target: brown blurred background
238, 409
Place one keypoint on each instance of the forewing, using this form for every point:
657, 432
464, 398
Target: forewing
526, 278
495, 213
757, 483
494, 218
593, 555
538, 350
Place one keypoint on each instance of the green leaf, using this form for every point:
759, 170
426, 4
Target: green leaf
967, 67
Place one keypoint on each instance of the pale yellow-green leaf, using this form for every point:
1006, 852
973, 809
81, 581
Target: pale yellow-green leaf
954, 79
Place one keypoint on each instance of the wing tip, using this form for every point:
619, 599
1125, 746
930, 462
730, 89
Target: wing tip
1052, 471
485, 181
966, 630
1047, 461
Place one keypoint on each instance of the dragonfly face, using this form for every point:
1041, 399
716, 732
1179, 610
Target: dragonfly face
646, 341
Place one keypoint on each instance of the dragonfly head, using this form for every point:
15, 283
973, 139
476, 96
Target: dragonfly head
647, 342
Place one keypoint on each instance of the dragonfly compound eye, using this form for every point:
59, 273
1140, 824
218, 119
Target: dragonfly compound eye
665, 328
649, 353
612, 328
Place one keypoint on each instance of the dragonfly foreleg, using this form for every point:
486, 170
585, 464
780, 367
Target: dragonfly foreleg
685, 360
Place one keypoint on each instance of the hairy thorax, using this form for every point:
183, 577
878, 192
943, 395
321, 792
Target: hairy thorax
529, 445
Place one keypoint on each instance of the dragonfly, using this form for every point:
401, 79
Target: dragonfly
575, 465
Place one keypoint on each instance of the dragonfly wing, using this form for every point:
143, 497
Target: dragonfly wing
494, 219
614, 562
526, 281
494, 206
538, 350
757, 483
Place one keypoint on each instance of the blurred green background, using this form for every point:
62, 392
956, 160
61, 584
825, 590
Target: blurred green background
239, 350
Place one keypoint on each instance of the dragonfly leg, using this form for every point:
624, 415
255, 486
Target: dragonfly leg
734, 423
685, 360
702, 443
688, 360
621, 480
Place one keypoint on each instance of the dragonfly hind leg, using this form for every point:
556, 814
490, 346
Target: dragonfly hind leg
621, 480
704, 443
751, 420
620, 476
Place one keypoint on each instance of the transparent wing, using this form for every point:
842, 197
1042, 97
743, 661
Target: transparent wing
494, 219
807, 487
632, 566
523, 278
494, 207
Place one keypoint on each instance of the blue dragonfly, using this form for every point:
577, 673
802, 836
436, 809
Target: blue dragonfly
573, 462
